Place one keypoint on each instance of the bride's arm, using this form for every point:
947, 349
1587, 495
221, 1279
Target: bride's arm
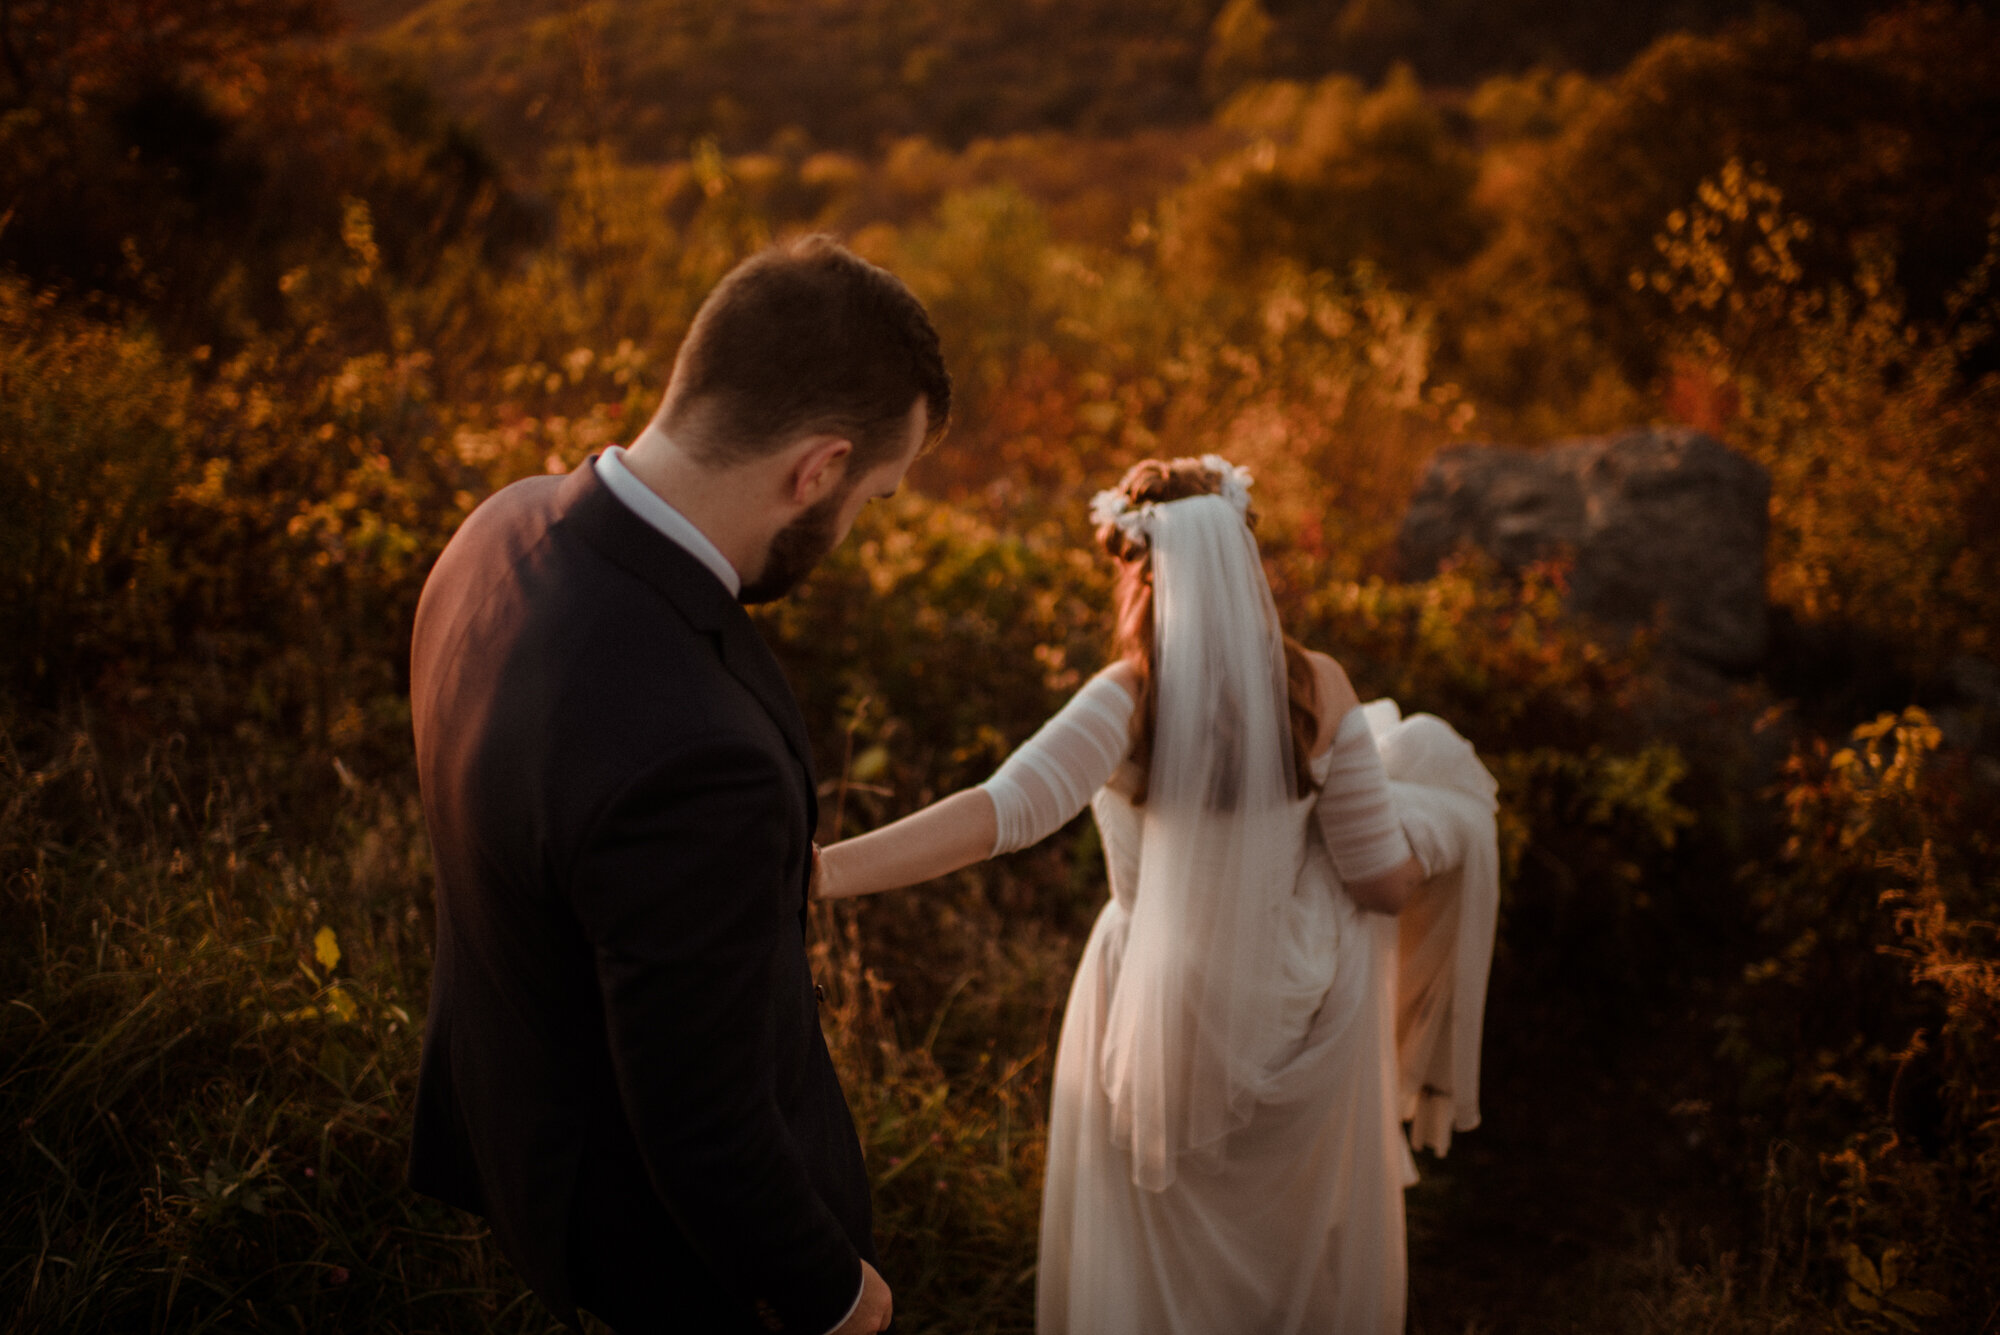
1045, 782
1361, 825
946, 835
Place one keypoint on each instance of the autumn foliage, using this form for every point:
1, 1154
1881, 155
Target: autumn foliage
273, 320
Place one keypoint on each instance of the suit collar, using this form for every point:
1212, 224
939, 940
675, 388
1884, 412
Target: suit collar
619, 479
587, 507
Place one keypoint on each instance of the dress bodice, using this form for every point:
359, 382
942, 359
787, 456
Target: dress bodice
1081, 756
1120, 825
1314, 926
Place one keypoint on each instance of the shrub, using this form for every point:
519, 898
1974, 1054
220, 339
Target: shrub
92, 429
1866, 1033
1876, 429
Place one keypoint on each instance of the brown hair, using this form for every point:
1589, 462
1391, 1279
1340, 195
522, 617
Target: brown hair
1132, 635
805, 338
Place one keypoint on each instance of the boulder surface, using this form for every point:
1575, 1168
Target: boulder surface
1665, 525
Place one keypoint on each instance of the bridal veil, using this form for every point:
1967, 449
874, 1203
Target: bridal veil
1187, 1031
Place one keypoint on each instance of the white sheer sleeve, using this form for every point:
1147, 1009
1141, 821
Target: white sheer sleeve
1357, 815
1053, 775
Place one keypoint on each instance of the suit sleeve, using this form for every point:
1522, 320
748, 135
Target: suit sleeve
682, 891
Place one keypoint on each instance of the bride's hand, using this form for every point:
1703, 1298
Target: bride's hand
827, 881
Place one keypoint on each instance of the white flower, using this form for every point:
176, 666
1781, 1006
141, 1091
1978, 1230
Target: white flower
1106, 507
1236, 482
1113, 506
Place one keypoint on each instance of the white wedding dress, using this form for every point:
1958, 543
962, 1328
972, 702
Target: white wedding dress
1294, 1221
1242, 1043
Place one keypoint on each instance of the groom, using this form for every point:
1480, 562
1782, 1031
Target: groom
623, 1068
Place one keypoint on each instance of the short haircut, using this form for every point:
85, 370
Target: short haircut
805, 338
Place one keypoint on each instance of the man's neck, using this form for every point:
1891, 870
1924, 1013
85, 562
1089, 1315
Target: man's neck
721, 502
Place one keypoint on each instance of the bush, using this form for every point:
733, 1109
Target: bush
1876, 428
92, 425
1866, 1034
1332, 174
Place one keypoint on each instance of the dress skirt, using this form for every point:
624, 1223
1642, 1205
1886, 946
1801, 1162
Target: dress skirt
1292, 1224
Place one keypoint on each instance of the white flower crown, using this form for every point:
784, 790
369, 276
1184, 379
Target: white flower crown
1113, 506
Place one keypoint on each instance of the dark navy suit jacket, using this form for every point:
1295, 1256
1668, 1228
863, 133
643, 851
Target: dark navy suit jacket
623, 1068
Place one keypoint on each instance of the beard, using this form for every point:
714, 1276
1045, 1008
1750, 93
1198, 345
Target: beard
797, 548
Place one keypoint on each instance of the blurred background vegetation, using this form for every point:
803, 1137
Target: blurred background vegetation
288, 286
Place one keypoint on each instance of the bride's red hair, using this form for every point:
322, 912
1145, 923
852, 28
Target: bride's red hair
1159, 481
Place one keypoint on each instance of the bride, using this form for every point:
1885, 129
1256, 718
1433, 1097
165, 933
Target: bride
1251, 1022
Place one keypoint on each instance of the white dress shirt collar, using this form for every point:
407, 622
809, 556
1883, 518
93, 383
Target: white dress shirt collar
646, 503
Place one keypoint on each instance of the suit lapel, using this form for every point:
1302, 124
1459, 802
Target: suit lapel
603, 521
751, 662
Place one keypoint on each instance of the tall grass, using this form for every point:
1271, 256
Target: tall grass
209, 1048
216, 983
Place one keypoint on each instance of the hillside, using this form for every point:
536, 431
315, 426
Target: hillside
652, 76
280, 303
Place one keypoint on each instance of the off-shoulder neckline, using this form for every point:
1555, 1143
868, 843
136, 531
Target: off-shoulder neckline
1354, 720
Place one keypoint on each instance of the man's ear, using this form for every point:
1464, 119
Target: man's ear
818, 470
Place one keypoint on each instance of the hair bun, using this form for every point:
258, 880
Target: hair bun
1123, 515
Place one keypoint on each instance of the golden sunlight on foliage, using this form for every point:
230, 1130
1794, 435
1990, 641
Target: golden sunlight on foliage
280, 305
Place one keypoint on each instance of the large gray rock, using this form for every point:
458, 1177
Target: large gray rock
1663, 521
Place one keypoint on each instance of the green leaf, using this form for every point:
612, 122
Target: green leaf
341, 1005
869, 765
1862, 1300
1862, 1271
326, 948
335, 1062
1921, 1301
1899, 1318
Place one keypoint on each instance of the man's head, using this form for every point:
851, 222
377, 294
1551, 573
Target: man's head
805, 339
831, 500
807, 384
